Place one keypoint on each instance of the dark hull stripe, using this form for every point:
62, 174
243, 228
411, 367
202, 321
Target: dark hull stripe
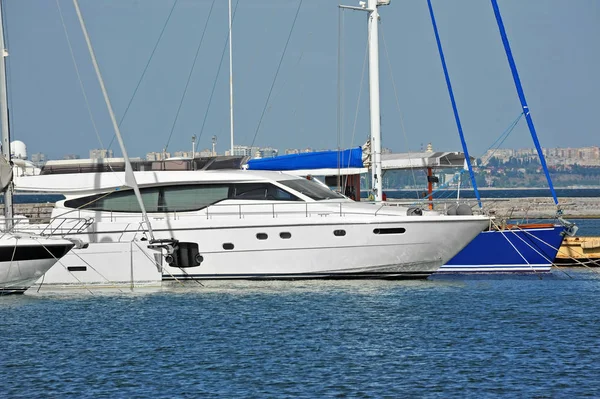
12, 291
33, 252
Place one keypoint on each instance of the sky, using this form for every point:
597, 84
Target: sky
315, 100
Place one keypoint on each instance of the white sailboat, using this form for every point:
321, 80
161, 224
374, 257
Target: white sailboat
24, 258
236, 224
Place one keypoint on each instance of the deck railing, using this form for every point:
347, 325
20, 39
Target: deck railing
57, 226
265, 209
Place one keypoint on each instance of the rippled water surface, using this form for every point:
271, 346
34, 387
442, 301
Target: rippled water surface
518, 336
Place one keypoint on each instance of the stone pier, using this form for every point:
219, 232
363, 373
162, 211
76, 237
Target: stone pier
36, 213
539, 207
531, 207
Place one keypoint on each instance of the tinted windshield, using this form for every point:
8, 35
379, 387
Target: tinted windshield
311, 189
180, 197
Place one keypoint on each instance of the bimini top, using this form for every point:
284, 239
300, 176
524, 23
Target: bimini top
351, 158
355, 161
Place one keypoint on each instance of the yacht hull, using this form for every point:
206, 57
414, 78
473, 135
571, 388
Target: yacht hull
24, 261
523, 250
326, 247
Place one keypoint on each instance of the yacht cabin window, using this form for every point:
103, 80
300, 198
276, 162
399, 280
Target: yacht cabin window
189, 198
118, 201
180, 198
261, 191
311, 189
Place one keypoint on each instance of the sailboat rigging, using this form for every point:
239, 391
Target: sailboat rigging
24, 258
8, 190
129, 176
513, 248
519, 88
177, 253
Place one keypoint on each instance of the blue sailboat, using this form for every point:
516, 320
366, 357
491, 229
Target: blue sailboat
512, 248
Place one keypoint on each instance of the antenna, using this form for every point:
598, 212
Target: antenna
193, 146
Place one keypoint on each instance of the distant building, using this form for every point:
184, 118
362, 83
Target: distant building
71, 156
584, 156
253, 152
501, 154
267, 152
101, 153
157, 156
207, 152
242, 150
183, 154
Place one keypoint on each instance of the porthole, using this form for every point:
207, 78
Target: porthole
339, 233
391, 230
262, 236
228, 246
285, 235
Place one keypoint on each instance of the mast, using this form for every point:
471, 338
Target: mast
129, 176
376, 178
230, 79
8, 193
374, 111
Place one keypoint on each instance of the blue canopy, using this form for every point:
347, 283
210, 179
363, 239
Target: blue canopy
351, 158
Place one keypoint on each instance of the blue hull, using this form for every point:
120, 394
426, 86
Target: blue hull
519, 250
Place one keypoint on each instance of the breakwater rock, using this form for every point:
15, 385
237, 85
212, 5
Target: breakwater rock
36, 213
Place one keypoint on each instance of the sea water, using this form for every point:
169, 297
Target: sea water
515, 336
587, 227
453, 336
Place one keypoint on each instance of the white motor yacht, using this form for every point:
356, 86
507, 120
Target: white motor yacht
154, 224
238, 224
